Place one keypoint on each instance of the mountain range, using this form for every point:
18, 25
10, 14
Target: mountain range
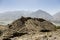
41, 14
57, 16
13, 15
56, 19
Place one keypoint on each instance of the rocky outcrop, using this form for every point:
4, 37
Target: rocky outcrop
27, 26
40, 36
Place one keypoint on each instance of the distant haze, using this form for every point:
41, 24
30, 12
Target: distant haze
14, 9
50, 6
8, 17
12, 15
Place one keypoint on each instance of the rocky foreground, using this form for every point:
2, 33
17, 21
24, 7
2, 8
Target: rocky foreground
27, 28
40, 36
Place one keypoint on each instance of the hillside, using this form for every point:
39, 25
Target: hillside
42, 14
8, 17
57, 16
13, 15
26, 26
56, 19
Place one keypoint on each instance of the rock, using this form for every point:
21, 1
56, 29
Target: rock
39, 36
46, 25
27, 24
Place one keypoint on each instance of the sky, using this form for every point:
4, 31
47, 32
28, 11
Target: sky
50, 6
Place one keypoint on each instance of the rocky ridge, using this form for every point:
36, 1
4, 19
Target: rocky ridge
27, 27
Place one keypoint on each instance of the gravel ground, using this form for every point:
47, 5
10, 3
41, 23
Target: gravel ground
40, 36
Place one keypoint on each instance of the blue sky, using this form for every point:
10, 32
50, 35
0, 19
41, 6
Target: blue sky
50, 6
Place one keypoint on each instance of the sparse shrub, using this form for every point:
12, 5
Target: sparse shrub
7, 39
16, 34
57, 27
50, 35
45, 31
1, 32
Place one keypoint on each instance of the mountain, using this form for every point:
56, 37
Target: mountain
13, 15
41, 14
8, 17
57, 17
